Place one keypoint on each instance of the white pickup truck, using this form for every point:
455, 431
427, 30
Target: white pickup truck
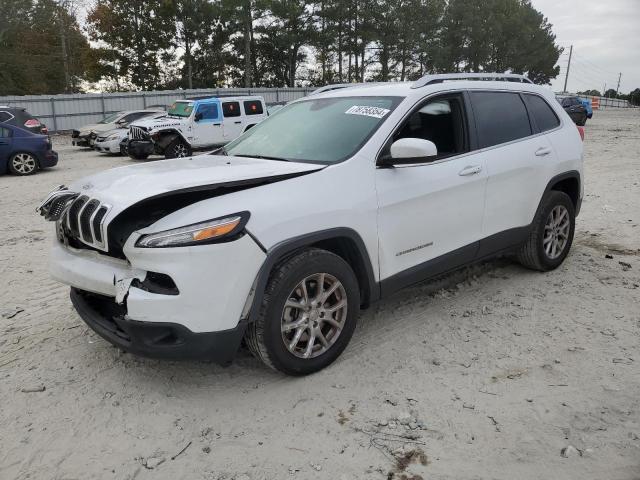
195, 124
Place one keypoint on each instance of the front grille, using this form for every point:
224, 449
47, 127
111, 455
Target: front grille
84, 221
137, 133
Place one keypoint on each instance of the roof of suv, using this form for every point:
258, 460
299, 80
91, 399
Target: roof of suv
414, 89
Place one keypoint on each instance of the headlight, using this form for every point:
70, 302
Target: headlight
211, 231
110, 138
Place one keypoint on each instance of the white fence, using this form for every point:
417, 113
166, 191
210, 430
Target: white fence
66, 112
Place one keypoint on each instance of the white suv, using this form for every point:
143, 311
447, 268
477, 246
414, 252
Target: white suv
339, 199
195, 124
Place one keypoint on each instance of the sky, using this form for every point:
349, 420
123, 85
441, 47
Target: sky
606, 41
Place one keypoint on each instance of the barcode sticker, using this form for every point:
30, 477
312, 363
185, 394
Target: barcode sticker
375, 112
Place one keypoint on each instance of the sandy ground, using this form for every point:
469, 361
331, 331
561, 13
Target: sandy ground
492, 372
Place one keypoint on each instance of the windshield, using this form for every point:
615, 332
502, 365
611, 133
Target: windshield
323, 130
180, 109
111, 118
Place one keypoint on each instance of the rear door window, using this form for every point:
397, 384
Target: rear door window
4, 116
231, 109
542, 114
253, 107
5, 133
501, 117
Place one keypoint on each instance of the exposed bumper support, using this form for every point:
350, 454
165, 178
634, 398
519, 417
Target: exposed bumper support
151, 339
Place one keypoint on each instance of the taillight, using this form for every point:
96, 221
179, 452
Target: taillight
581, 130
32, 123
44, 131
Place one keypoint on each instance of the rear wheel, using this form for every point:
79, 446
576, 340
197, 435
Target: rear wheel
308, 313
552, 233
178, 149
23, 164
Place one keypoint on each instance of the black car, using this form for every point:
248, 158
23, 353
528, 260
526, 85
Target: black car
19, 117
23, 152
575, 108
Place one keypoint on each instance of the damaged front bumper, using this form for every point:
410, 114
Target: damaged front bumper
152, 339
178, 296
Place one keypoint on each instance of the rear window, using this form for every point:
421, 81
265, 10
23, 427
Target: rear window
542, 114
501, 117
253, 107
231, 109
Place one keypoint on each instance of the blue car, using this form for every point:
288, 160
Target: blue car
23, 152
587, 105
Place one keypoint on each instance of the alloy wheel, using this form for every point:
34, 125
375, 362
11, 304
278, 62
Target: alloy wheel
24, 163
180, 151
314, 315
556, 232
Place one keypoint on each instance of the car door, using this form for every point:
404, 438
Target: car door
5, 147
430, 214
207, 124
233, 123
514, 156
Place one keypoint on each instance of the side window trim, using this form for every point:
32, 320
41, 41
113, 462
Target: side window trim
470, 136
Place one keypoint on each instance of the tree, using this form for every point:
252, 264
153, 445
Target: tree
500, 36
43, 48
136, 35
634, 97
611, 93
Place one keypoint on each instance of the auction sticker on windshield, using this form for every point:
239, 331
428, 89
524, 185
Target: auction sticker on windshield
375, 112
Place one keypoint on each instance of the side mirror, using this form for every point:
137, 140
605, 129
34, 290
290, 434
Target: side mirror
198, 117
411, 150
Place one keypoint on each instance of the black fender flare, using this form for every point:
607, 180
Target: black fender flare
285, 249
165, 137
573, 174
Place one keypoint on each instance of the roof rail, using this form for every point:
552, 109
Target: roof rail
338, 86
491, 77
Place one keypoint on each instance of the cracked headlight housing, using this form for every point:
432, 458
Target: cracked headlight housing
218, 230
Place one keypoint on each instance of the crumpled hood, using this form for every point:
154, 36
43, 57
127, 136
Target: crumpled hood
124, 186
96, 127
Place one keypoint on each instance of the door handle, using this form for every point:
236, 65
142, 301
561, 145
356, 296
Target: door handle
470, 170
542, 151
238, 123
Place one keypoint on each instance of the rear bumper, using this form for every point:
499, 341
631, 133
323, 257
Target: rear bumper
80, 142
150, 339
48, 159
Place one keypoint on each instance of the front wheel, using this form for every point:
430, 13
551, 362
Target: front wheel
551, 234
178, 149
23, 164
308, 313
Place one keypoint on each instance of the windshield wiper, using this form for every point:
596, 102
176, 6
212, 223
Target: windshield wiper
264, 157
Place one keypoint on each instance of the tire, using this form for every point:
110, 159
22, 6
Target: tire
540, 252
178, 149
265, 338
23, 164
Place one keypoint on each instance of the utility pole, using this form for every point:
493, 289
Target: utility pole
566, 77
63, 44
619, 78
